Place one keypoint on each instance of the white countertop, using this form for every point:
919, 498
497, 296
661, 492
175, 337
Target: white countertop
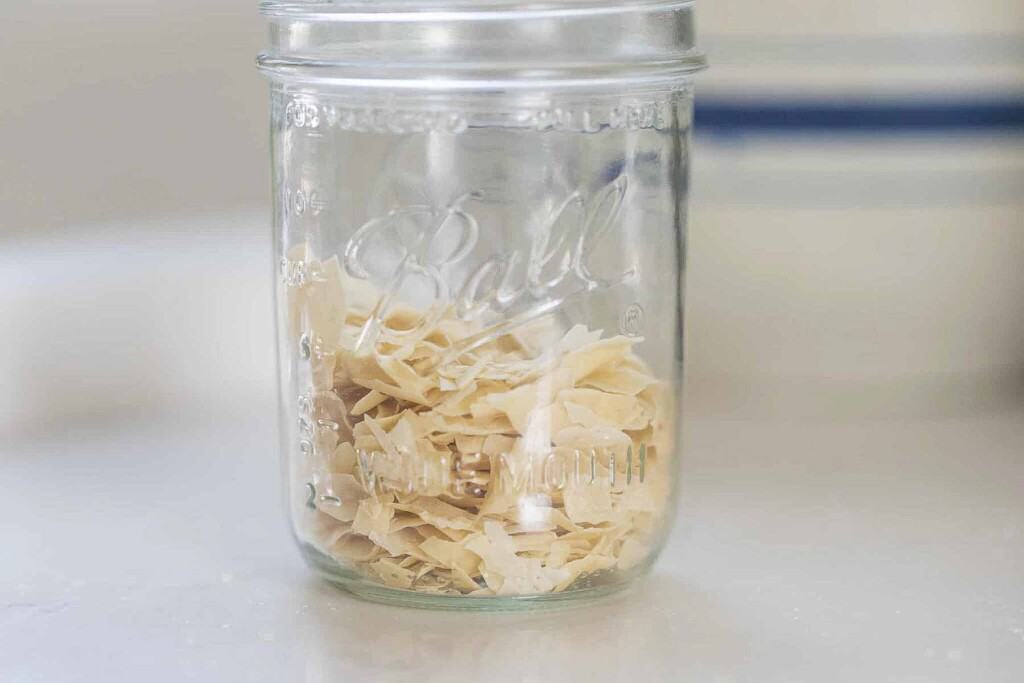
856, 550
854, 528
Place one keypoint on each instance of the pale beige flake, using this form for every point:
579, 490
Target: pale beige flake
372, 399
433, 465
449, 554
373, 518
620, 379
392, 574
439, 513
504, 571
587, 565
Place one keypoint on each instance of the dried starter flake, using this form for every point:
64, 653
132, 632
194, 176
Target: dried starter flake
522, 466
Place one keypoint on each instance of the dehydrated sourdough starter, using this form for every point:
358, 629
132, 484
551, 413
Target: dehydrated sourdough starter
514, 468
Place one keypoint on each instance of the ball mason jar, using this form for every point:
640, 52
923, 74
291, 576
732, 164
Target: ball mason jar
479, 221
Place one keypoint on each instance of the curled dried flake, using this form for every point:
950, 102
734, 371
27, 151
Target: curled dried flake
356, 549
463, 581
593, 408
372, 399
403, 320
423, 358
597, 437
381, 436
362, 368
343, 460
438, 513
470, 444
586, 359
558, 554
472, 426
497, 444
529, 517
405, 432
577, 337
330, 414
443, 438
518, 575
373, 518
449, 554
458, 375
493, 580
589, 503
426, 531
541, 424
457, 535
405, 520
533, 541
387, 421
619, 379
389, 408
461, 401
366, 443
325, 442
481, 409
403, 542
451, 329
520, 403
395, 392
587, 565
405, 378
339, 496
423, 569
392, 574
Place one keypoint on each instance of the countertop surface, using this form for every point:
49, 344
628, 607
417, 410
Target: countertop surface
862, 549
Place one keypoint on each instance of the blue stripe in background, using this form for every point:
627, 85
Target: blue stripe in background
919, 115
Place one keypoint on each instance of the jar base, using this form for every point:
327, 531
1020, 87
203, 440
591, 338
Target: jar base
596, 587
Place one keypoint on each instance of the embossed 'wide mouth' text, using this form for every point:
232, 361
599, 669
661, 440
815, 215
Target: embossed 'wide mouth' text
512, 474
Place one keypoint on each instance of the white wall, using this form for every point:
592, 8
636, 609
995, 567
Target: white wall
867, 263
113, 108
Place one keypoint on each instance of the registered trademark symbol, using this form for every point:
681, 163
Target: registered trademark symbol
632, 322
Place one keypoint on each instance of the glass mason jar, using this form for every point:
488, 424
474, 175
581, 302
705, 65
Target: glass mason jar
479, 225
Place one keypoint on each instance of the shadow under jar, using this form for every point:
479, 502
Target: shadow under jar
479, 228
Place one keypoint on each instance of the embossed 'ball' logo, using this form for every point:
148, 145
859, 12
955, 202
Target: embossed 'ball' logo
507, 289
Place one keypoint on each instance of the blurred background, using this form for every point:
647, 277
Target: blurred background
856, 245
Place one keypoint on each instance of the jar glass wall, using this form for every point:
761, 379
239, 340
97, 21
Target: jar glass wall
479, 298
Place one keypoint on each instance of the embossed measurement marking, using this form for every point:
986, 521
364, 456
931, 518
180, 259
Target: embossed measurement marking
300, 113
299, 202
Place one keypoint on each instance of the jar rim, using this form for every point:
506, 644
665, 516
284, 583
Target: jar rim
455, 10
482, 44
